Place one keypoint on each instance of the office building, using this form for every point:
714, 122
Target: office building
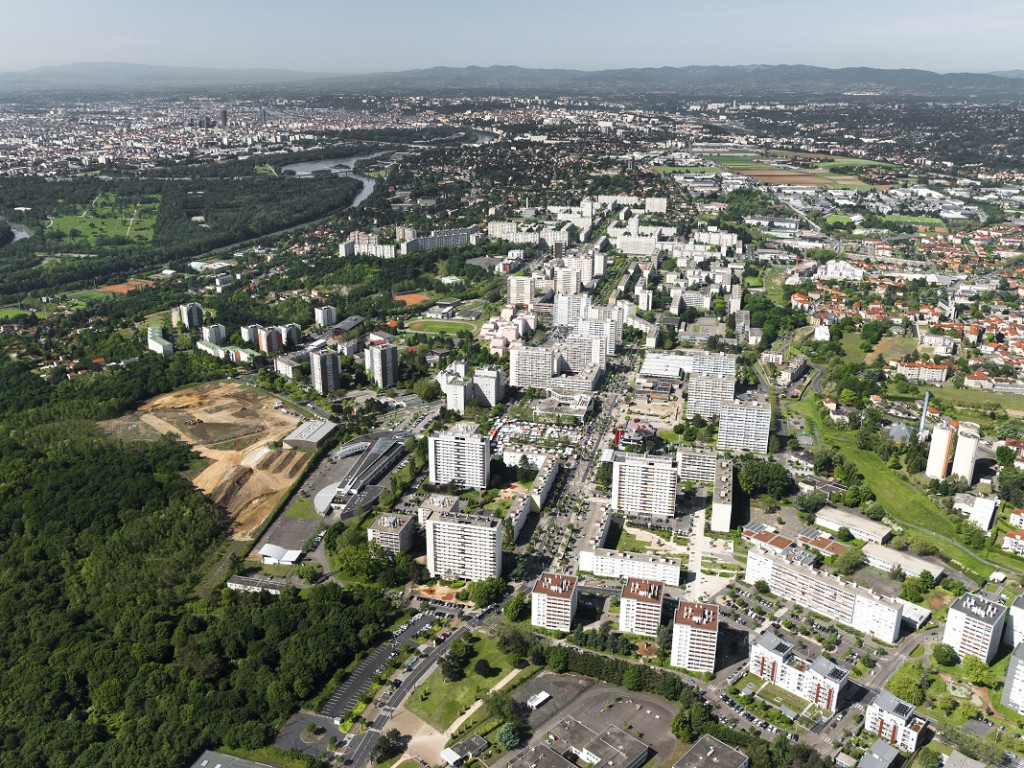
965, 456
191, 315
695, 637
791, 575
613, 564
893, 721
382, 364
640, 607
489, 384
721, 500
553, 602
644, 486
1013, 687
974, 626
938, 452
392, 532
861, 527
743, 427
464, 547
705, 394
215, 334
822, 683
461, 456
325, 371
325, 316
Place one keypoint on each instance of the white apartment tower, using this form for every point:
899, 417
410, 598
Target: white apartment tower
938, 452
520, 289
553, 602
1013, 688
706, 393
644, 485
743, 427
695, 637
965, 456
325, 370
893, 720
215, 334
640, 607
974, 626
721, 502
530, 366
382, 364
461, 455
324, 316
567, 281
191, 315
490, 384
465, 547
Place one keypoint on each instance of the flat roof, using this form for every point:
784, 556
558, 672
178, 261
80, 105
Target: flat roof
851, 521
555, 585
697, 615
979, 607
311, 431
902, 559
644, 590
211, 759
390, 521
709, 752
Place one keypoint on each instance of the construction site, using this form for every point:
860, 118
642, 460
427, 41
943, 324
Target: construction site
233, 427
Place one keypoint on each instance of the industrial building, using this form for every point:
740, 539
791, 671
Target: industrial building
861, 527
309, 435
965, 456
939, 452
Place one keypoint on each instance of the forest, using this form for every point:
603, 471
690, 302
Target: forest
107, 658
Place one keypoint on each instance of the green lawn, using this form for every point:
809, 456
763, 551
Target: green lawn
438, 702
837, 218
851, 348
669, 169
735, 161
904, 500
109, 216
8, 313
770, 692
923, 221
88, 295
841, 161
975, 398
302, 508
773, 285
442, 326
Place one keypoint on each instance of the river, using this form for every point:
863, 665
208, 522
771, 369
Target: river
338, 166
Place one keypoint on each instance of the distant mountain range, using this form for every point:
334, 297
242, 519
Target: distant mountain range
766, 81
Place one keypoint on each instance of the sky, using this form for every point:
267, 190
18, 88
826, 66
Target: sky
361, 36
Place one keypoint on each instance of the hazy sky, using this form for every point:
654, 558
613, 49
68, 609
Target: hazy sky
358, 36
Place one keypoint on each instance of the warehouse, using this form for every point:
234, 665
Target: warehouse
309, 435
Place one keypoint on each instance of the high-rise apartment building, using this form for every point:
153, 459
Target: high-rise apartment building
706, 393
743, 427
892, 720
393, 533
965, 456
382, 364
461, 455
644, 485
792, 575
553, 602
325, 370
974, 626
191, 315
530, 366
721, 500
1013, 687
520, 289
695, 637
215, 334
567, 281
269, 340
938, 452
822, 683
489, 382
464, 547
324, 316
640, 607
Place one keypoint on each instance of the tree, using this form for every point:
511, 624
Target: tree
1005, 455
516, 607
388, 745
944, 655
762, 587
929, 758
515, 642
508, 735
451, 670
809, 503
500, 704
843, 534
460, 652
849, 561
483, 668
977, 671
632, 679
487, 591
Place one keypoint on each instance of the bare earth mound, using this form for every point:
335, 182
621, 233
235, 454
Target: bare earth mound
231, 426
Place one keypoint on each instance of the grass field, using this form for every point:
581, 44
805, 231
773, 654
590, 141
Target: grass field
438, 702
9, 312
442, 326
109, 216
890, 347
772, 692
904, 500
835, 218
851, 348
773, 284
302, 508
88, 295
974, 398
921, 221
666, 170
855, 161
735, 161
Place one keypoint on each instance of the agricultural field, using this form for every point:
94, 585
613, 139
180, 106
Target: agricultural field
232, 427
110, 216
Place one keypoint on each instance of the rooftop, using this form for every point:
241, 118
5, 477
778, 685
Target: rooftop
979, 607
709, 752
311, 431
644, 590
698, 615
893, 704
210, 759
555, 585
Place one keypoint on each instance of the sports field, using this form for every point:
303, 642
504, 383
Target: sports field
442, 326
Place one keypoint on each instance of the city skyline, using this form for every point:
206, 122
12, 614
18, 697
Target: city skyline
940, 36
